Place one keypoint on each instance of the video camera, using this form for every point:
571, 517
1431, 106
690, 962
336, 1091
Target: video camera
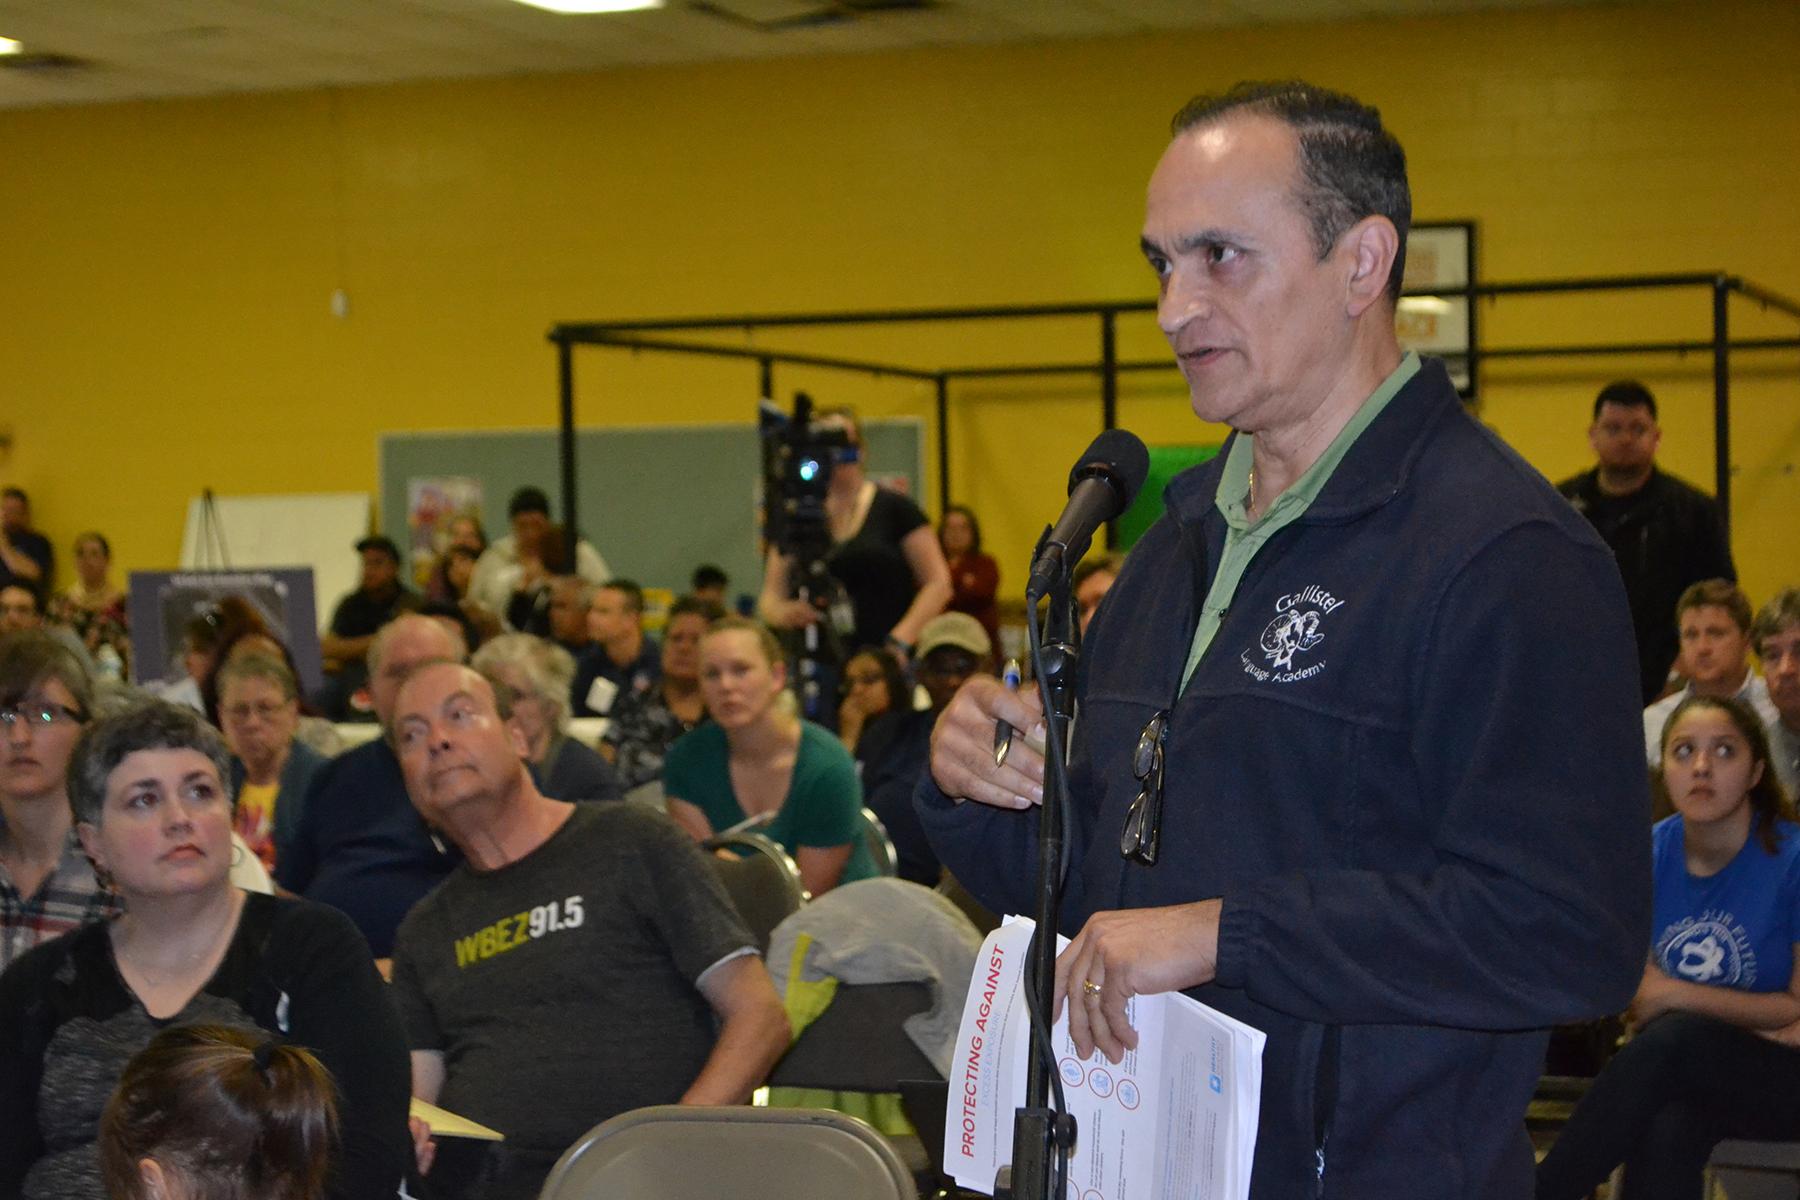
798, 455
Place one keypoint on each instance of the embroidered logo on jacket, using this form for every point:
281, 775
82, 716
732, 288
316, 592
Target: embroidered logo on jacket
1294, 632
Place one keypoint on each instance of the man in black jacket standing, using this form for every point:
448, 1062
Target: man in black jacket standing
1358, 753
1666, 534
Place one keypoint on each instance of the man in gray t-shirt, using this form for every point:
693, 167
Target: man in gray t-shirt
573, 967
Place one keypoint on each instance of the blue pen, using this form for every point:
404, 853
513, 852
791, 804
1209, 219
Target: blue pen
1003, 732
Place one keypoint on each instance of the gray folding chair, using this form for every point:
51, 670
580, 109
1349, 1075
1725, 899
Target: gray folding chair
881, 846
1747, 1170
680, 1152
762, 881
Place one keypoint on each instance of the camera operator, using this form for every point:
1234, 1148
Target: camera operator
883, 552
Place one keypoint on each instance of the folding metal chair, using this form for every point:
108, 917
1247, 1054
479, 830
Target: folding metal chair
678, 1152
762, 881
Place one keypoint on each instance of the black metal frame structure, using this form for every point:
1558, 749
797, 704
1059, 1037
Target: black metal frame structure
653, 336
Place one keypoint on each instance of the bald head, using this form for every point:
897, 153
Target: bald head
401, 646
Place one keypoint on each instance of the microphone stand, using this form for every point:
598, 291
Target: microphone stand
1039, 1131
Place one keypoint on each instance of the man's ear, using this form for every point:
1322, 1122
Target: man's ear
1372, 245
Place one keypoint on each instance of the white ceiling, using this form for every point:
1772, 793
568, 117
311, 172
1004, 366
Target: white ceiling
138, 49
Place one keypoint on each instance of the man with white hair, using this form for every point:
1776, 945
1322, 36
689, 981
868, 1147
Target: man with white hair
582, 961
361, 847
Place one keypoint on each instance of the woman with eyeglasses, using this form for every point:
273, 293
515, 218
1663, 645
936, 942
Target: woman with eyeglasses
148, 787
873, 685
1721, 990
47, 884
271, 769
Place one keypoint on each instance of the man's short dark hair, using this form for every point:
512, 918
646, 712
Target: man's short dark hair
1626, 393
37, 597
1100, 564
528, 499
383, 544
708, 575
1717, 593
16, 493
1351, 167
628, 588
696, 606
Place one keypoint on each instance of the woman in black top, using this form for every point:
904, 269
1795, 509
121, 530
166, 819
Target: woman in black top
151, 805
884, 553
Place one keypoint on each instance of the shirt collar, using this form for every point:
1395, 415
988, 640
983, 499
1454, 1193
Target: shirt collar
1234, 480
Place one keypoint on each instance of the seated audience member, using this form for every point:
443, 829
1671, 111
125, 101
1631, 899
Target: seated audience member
484, 621
1722, 988
379, 598
757, 758
460, 621
271, 769
1777, 637
643, 725
152, 807
19, 610
873, 684
213, 1112
896, 747
623, 659
1713, 617
360, 846
974, 576
529, 513
566, 614
537, 674
22, 611
311, 729
710, 583
1093, 578
199, 638
25, 554
574, 966
455, 567
542, 558
47, 884
94, 610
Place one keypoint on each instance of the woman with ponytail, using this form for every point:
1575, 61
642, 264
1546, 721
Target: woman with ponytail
211, 1112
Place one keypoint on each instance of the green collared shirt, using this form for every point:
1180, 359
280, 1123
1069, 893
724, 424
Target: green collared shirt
1244, 537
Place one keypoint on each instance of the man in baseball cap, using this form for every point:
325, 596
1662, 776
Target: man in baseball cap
895, 747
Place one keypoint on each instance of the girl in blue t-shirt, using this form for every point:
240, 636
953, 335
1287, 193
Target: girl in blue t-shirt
1720, 995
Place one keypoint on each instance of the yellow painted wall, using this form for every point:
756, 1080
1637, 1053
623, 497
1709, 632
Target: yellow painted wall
163, 309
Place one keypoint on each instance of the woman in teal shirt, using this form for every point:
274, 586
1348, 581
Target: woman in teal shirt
758, 758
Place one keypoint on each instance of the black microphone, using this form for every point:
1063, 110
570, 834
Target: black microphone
1103, 484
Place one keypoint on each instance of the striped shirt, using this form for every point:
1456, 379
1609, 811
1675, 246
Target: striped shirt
70, 896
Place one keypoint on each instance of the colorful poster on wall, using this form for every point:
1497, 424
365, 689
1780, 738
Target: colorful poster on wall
163, 603
432, 502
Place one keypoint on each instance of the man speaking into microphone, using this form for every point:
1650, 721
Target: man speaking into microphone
1359, 752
